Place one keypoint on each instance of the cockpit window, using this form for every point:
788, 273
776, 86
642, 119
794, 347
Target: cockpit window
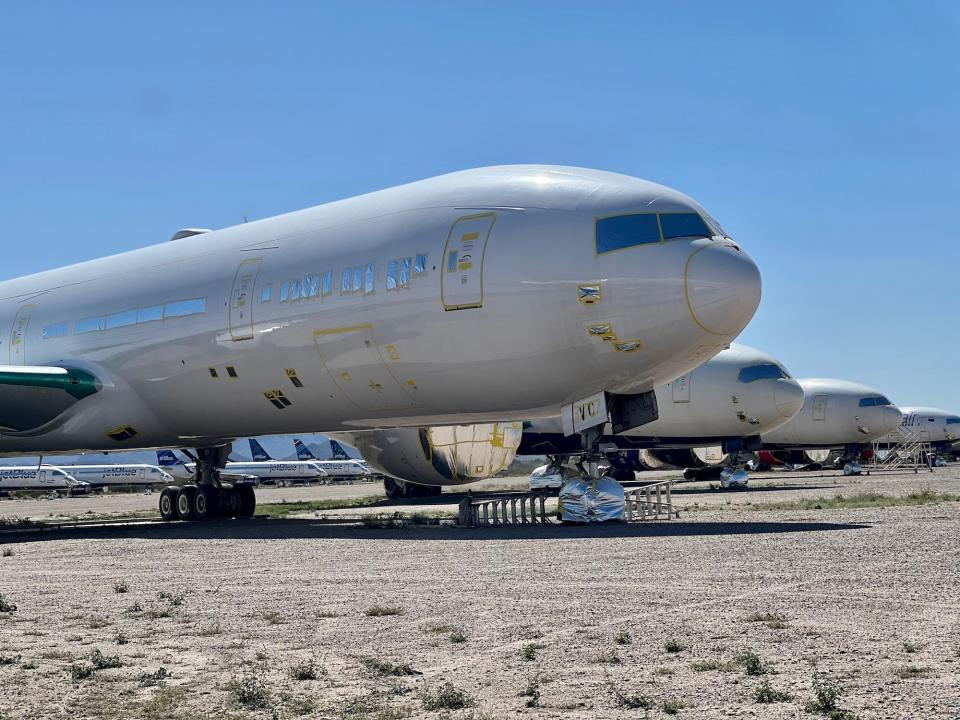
953, 421
874, 401
623, 231
678, 225
766, 371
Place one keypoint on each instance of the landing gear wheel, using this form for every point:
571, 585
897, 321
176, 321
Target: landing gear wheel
230, 502
246, 500
394, 489
168, 503
205, 502
622, 476
185, 502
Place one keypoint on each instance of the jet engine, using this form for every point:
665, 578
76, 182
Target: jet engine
442, 455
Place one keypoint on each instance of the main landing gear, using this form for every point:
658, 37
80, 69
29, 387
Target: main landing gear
207, 497
396, 489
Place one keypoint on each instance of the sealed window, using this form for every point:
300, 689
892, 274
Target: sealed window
89, 325
357, 279
345, 282
311, 286
623, 231
185, 307
54, 331
677, 225
120, 319
327, 287
149, 314
420, 266
405, 272
766, 371
265, 293
294, 291
392, 269
285, 292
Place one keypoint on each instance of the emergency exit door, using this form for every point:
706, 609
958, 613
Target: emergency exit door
461, 281
18, 335
819, 407
241, 299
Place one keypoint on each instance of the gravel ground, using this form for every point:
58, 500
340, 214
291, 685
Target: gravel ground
585, 621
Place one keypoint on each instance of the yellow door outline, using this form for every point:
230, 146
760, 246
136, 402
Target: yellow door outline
241, 298
18, 335
473, 236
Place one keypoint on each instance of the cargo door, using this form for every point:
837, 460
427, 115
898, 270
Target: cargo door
461, 279
681, 389
18, 335
820, 407
241, 299
361, 371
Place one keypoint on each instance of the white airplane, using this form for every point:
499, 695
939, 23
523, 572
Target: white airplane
938, 427
836, 415
42, 478
482, 296
728, 401
264, 468
115, 475
340, 467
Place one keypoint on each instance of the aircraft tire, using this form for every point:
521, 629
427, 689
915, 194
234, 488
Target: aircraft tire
205, 502
247, 500
230, 502
185, 502
394, 489
168, 502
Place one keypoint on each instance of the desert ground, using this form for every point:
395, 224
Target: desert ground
809, 595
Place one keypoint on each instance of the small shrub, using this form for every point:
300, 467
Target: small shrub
909, 647
7, 606
385, 667
382, 611
120, 587
306, 670
765, 694
767, 617
908, 672
672, 707
7, 552
634, 701
104, 662
9, 659
273, 617
607, 657
457, 637
327, 614
248, 691
80, 672
210, 630
120, 637
529, 651
136, 607
148, 679
446, 697
176, 599
96, 622
673, 646
623, 637
532, 692
826, 694
661, 671
155, 613
751, 663
719, 665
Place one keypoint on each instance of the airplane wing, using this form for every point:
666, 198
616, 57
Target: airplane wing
32, 396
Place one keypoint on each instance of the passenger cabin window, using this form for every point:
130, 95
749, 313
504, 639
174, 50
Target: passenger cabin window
623, 231
120, 319
149, 314
284, 292
369, 276
265, 293
766, 371
420, 266
294, 291
89, 325
182, 308
405, 266
311, 286
393, 267
874, 401
678, 225
327, 285
357, 279
345, 283
54, 331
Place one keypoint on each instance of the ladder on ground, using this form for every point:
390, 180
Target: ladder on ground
911, 451
497, 510
650, 502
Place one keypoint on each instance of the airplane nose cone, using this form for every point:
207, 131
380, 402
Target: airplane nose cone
722, 285
788, 397
891, 418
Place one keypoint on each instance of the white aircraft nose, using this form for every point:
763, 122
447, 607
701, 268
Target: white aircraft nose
722, 286
788, 397
890, 418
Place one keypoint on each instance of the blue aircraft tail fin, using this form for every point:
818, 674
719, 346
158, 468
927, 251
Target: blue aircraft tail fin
303, 452
257, 451
338, 453
166, 458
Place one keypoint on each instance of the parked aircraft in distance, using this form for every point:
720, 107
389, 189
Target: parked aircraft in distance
42, 478
114, 475
262, 467
340, 467
437, 302
836, 415
728, 401
938, 427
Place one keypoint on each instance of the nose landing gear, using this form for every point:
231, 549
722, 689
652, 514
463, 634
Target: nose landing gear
207, 497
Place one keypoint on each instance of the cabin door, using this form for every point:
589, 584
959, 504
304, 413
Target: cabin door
241, 299
461, 277
18, 335
819, 407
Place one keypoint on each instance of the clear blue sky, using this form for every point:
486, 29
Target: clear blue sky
823, 135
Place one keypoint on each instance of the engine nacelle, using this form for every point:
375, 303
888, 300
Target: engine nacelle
442, 455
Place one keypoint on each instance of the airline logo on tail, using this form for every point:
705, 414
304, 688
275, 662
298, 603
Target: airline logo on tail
338, 453
166, 458
303, 452
258, 453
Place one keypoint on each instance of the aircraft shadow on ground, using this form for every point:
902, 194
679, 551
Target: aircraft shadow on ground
751, 489
320, 529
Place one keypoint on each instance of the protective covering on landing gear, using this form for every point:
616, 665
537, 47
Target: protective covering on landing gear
733, 478
590, 500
